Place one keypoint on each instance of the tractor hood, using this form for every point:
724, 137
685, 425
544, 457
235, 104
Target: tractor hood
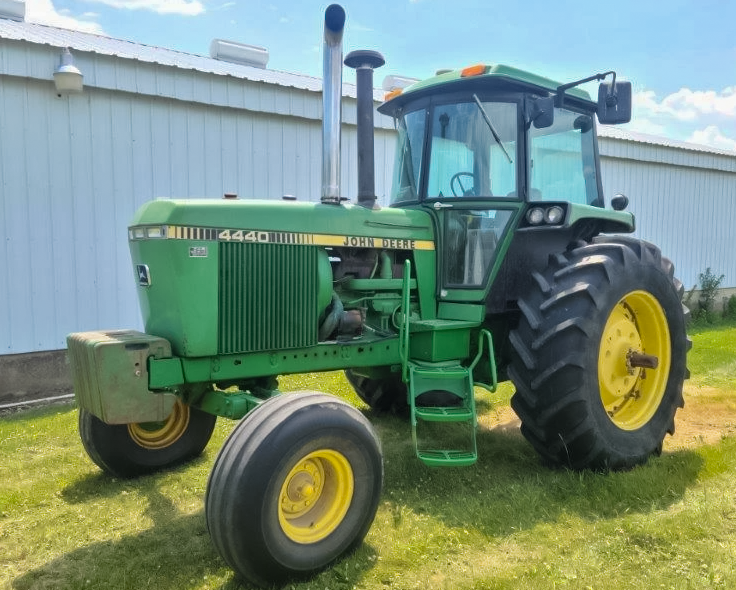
240, 220
231, 276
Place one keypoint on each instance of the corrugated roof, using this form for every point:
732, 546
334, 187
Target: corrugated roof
624, 134
99, 44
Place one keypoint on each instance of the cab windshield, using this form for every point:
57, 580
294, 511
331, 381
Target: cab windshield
472, 152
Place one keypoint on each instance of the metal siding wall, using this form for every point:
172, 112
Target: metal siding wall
15, 245
688, 212
75, 169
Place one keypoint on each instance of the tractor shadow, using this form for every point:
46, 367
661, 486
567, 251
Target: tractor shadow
506, 491
509, 489
175, 552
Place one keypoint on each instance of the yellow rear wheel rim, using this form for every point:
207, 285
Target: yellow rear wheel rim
631, 395
159, 435
315, 496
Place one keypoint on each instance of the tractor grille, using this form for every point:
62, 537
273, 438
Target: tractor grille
268, 297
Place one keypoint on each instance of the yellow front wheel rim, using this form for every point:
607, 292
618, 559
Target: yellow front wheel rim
315, 496
632, 394
159, 435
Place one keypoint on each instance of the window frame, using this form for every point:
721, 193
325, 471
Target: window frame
429, 104
599, 200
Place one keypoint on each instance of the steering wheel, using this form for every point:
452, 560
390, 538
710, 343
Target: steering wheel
455, 180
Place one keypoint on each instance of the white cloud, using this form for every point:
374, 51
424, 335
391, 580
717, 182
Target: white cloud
713, 137
706, 117
44, 13
708, 102
670, 106
183, 7
687, 105
644, 125
356, 26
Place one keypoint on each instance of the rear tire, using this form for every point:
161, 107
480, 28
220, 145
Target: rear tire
386, 394
581, 402
295, 486
130, 450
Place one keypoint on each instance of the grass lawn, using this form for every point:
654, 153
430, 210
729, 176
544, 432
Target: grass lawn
507, 522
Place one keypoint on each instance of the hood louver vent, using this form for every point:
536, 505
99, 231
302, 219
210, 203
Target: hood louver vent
13, 9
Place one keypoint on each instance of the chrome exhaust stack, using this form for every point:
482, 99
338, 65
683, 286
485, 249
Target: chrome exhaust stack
332, 103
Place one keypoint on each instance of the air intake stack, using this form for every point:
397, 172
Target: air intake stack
364, 62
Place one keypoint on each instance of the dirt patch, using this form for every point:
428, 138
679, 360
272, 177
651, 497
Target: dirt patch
709, 414
501, 419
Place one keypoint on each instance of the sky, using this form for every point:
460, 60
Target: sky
680, 55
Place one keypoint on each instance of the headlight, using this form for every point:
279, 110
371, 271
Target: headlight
535, 216
554, 215
156, 232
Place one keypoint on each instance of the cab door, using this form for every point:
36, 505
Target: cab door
471, 186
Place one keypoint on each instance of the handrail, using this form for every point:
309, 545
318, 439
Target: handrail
485, 334
404, 328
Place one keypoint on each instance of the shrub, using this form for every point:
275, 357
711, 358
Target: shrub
730, 311
709, 284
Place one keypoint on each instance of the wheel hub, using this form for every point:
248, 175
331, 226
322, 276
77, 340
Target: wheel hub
315, 496
159, 435
634, 360
621, 337
303, 488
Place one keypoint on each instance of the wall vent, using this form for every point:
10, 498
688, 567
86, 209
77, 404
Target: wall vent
13, 9
239, 53
396, 82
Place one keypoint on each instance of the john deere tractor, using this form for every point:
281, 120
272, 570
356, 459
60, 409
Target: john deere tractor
497, 259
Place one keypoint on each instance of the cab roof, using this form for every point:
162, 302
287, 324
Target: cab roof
479, 75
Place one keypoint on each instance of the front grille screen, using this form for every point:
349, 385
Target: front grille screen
267, 298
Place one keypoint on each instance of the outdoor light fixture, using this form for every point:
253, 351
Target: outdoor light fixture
67, 77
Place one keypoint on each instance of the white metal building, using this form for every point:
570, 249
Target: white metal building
683, 196
152, 123
149, 123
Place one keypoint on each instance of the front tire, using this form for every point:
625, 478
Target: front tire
591, 328
295, 486
130, 450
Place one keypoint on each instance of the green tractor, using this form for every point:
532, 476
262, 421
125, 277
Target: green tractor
496, 260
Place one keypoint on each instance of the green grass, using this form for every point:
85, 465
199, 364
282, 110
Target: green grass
507, 522
712, 359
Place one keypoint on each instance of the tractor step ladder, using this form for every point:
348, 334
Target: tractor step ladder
448, 384
446, 389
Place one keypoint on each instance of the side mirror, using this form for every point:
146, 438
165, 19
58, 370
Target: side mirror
614, 103
543, 112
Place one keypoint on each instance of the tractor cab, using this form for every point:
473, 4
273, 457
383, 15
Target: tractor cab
496, 132
489, 149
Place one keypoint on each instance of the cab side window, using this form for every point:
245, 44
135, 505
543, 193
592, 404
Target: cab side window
472, 238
